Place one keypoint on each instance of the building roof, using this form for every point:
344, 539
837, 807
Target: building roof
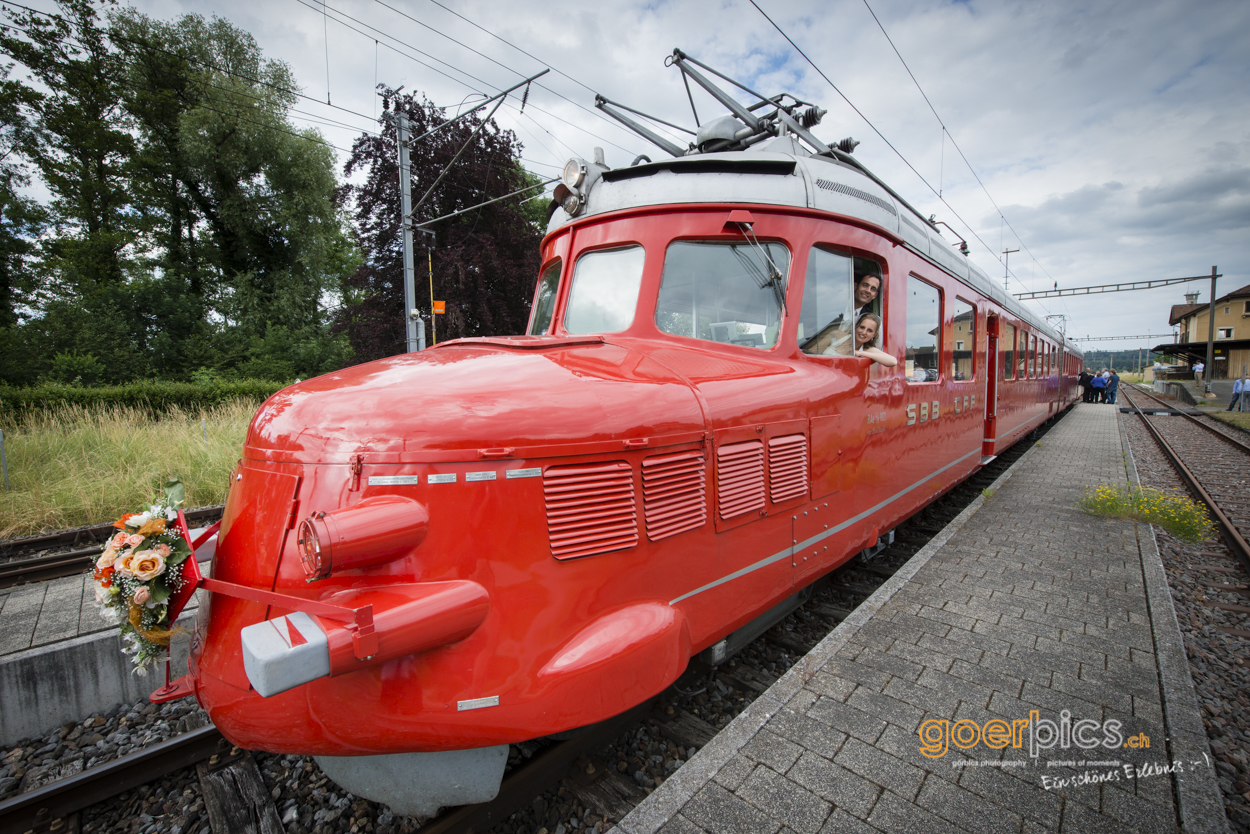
1182, 311
1244, 292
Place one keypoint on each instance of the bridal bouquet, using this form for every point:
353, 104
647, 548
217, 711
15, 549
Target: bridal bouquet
138, 572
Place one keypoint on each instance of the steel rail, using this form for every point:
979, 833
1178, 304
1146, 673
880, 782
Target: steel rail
74, 793
43, 568
1233, 537
1243, 446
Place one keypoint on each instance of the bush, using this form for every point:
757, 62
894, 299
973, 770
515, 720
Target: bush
156, 398
1184, 518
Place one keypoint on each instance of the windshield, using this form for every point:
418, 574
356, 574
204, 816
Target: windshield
732, 293
604, 294
545, 300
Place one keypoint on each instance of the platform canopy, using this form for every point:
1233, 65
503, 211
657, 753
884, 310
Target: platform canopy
1197, 351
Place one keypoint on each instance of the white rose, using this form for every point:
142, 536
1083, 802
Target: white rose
139, 520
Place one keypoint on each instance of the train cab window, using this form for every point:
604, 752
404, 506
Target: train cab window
545, 300
924, 330
965, 324
1008, 342
836, 289
604, 292
724, 292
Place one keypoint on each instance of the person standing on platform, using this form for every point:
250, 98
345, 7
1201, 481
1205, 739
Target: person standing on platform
1087, 391
1099, 384
1113, 386
1236, 393
1198, 369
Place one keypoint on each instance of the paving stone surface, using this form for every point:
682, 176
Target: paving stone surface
1021, 655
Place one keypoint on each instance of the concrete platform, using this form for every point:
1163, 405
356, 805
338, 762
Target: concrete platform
1041, 638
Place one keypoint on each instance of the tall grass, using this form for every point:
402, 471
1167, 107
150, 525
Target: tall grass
77, 465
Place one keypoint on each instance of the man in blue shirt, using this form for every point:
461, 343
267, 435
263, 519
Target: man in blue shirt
1236, 393
1099, 382
1113, 385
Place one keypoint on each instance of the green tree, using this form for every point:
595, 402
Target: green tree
485, 261
81, 142
241, 202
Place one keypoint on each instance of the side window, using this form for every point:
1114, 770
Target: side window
963, 360
1032, 357
1022, 356
604, 292
924, 330
837, 290
723, 292
545, 300
1008, 342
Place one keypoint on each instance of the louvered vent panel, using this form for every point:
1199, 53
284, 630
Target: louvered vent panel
674, 494
740, 478
590, 509
787, 467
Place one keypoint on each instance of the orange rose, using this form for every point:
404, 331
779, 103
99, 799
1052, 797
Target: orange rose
147, 564
106, 559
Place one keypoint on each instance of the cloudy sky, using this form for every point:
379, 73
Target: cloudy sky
1111, 139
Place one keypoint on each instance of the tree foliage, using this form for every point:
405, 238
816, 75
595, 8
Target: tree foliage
194, 225
193, 232
484, 262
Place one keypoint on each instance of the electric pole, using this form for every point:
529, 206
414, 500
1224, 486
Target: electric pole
1206, 372
411, 316
1006, 260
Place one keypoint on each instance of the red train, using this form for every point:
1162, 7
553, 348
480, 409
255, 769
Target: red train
441, 553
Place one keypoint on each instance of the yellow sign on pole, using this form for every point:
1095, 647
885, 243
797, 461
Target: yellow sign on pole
440, 306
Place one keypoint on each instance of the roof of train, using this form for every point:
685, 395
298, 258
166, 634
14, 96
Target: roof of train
781, 172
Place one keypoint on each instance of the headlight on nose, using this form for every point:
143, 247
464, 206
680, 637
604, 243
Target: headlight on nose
373, 532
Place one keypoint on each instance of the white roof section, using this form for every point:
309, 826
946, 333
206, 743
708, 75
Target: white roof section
781, 172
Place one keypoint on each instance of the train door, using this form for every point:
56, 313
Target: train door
991, 388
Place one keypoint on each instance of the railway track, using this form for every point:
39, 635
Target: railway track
54, 555
1214, 465
584, 769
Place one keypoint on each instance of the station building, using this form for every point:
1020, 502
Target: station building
1232, 332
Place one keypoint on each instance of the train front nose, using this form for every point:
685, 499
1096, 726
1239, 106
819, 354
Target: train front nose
414, 488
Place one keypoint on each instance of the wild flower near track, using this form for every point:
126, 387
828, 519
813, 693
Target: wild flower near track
1180, 515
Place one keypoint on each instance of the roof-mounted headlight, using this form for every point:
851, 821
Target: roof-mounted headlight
574, 173
569, 200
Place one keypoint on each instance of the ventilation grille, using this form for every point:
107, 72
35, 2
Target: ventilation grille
855, 192
674, 495
787, 467
740, 478
590, 509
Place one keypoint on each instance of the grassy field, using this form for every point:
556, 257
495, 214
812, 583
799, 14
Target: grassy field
78, 466
1240, 419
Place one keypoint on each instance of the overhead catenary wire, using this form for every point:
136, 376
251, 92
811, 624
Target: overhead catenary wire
442, 34
304, 115
480, 81
883, 138
946, 132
